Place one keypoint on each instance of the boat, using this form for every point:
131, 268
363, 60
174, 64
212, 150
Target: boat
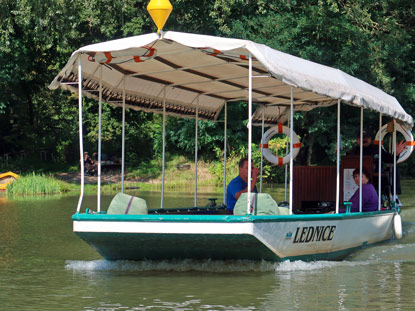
196, 76
6, 179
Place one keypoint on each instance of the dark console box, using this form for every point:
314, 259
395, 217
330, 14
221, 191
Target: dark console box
316, 207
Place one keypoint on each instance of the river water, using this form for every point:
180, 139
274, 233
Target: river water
45, 266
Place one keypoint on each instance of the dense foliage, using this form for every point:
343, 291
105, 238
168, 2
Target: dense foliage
372, 40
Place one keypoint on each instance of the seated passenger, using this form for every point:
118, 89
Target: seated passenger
370, 149
239, 184
90, 165
369, 196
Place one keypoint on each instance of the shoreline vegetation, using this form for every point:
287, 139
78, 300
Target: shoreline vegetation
36, 184
179, 175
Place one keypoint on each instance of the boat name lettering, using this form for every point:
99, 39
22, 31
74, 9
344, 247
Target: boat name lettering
311, 234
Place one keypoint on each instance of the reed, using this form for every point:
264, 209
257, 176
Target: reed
35, 184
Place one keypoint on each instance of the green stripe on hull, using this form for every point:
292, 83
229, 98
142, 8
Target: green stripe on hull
338, 255
127, 246
117, 246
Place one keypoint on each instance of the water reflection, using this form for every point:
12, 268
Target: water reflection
265, 286
182, 288
44, 266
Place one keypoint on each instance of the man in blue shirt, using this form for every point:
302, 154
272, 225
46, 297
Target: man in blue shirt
239, 184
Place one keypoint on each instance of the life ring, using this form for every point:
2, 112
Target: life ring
410, 143
397, 226
279, 129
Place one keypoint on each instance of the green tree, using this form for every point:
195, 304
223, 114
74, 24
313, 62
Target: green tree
373, 41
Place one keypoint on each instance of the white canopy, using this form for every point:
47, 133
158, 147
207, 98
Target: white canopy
196, 70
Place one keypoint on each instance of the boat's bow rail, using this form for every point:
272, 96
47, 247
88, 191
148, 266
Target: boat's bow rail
173, 217
208, 210
263, 205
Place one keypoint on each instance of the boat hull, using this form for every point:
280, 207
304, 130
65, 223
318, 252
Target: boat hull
272, 238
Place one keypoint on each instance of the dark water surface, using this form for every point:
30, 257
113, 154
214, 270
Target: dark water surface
45, 266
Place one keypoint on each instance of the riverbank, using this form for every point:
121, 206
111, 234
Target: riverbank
106, 178
176, 176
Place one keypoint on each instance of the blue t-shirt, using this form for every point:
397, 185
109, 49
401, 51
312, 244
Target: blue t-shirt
237, 184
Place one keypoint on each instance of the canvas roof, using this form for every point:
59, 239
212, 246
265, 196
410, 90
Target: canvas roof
191, 70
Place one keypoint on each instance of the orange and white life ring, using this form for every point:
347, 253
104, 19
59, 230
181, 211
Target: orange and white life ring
407, 134
279, 129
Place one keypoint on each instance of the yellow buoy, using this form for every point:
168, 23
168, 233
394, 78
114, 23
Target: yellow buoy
159, 11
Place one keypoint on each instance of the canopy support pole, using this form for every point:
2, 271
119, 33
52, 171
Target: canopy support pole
361, 159
249, 135
224, 152
81, 142
286, 170
338, 159
286, 180
99, 140
164, 148
123, 137
291, 148
394, 163
380, 164
262, 147
196, 141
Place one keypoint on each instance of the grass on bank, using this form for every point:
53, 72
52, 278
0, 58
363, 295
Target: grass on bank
36, 184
